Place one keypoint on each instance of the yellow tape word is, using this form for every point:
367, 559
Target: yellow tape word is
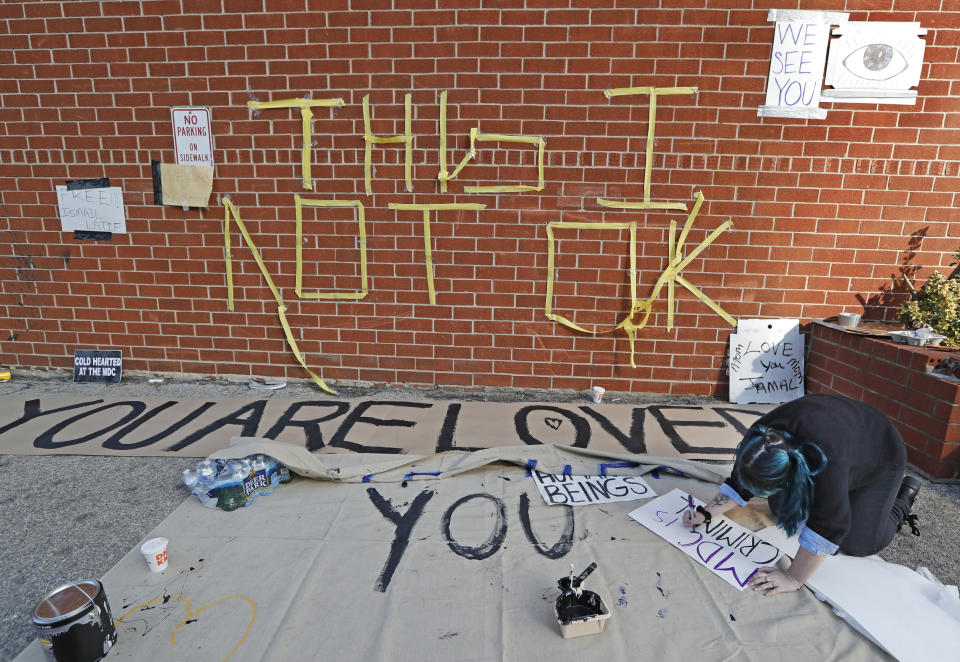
230, 212
653, 92
427, 242
306, 115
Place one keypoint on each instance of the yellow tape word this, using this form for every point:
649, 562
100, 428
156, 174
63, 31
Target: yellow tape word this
370, 140
427, 241
356, 296
475, 136
653, 92
306, 115
230, 213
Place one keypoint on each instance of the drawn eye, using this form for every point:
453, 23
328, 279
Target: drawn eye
876, 62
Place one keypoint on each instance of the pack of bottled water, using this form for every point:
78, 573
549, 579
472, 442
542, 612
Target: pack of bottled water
230, 484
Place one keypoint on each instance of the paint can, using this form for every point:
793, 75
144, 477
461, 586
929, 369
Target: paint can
74, 623
849, 320
582, 616
4, 375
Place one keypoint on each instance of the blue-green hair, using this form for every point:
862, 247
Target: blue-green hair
768, 462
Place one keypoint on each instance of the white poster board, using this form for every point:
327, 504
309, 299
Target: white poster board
92, 209
726, 548
902, 611
797, 61
875, 62
570, 490
766, 361
192, 138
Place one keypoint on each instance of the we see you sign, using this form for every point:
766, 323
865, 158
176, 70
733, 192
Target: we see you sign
797, 61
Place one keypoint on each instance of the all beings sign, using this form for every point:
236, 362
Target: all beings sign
571, 490
726, 548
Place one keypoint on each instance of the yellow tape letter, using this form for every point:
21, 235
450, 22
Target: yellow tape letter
301, 203
476, 136
676, 264
306, 115
427, 241
548, 308
370, 140
654, 92
230, 211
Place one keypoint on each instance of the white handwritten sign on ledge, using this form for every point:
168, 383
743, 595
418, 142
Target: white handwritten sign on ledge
724, 547
766, 361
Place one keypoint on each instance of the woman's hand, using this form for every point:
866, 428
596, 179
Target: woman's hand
772, 581
697, 520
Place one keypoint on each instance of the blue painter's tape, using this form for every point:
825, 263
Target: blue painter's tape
567, 470
366, 479
421, 473
675, 472
615, 465
531, 465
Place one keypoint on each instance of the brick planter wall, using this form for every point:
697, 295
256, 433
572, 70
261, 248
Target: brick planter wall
893, 378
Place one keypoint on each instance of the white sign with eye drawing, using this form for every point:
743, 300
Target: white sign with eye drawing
766, 361
875, 63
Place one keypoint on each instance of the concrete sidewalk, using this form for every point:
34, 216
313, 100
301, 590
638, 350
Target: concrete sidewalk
74, 517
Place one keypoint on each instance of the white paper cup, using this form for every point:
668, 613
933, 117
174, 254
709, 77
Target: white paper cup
598, 392
155, 554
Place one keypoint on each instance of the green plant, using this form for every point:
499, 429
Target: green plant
937, 305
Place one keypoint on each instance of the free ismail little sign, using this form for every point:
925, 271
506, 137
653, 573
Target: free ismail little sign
797, 61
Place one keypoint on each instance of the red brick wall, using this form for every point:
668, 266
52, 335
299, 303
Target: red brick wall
824, 210
894, 379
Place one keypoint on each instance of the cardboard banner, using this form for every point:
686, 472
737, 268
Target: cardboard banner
724, 547
196, 427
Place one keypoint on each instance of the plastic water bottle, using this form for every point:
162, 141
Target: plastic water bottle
230, 494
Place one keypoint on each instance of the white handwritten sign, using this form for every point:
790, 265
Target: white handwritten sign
586, 490
766, 361
726, 548
94, 209
796, 63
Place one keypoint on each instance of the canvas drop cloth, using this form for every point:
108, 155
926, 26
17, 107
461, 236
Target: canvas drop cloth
461, 566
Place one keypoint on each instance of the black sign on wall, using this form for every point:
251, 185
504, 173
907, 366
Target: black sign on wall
97, 365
